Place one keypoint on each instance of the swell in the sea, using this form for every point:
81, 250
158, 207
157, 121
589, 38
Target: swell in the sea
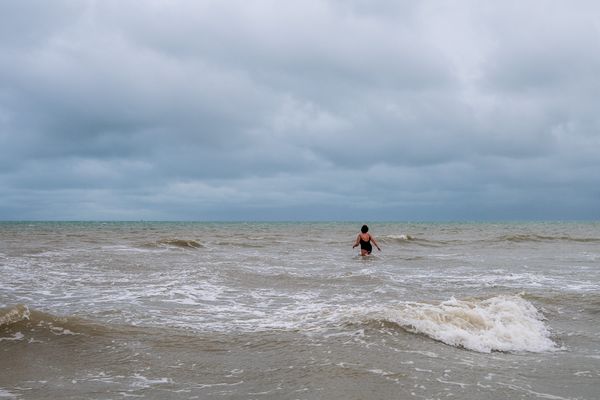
174, 243
532, 237
500, 323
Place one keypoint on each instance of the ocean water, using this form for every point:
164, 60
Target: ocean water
291, 311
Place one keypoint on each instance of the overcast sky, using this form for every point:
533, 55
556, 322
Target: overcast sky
299, 110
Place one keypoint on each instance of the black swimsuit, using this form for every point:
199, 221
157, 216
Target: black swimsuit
366, 245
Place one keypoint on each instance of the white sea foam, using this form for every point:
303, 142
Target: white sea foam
16, 337
130, 249
502, 323
399, 237
14, 314
6, 394
144, 382
59, 331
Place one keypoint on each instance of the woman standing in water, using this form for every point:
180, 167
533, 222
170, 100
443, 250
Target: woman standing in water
365, 239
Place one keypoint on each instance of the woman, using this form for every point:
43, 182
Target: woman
365, 239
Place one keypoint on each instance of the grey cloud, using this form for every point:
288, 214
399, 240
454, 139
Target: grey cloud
321, 108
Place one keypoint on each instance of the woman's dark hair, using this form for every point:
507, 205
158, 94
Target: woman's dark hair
364, 229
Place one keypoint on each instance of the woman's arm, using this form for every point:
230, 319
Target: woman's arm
357, 241
375, 243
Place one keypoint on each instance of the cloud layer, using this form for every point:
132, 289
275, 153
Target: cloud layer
299, 110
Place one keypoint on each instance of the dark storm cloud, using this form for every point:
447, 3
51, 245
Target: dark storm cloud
314, 109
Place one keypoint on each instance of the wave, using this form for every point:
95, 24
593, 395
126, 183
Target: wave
405, 238
514, 238
246, 244
501, 323
558, 301
12, 315
177, 243
397, 238
23, 323
529, 237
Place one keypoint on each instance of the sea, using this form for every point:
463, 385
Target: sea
289, 310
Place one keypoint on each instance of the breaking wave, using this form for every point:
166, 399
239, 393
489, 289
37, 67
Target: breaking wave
405, 239
23, 323
502, 323
397, 238
12, 315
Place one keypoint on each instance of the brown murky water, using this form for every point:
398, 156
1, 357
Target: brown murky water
288, 310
